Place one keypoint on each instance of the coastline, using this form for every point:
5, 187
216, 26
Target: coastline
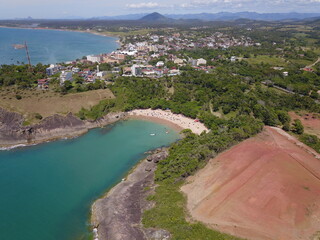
116, 37
121, 206
56, 127
66, 30
118, 213
176, 121
64, 127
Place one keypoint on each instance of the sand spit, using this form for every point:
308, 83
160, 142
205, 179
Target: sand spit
176, 120
265, 188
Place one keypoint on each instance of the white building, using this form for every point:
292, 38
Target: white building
137, 70
201, 61
75, 69
160, 64
53, 69
65, 76
178, 61
130, 52
174, 72
101, 74
94, 58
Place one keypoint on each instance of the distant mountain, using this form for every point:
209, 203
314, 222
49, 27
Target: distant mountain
122, 17
244, 15
154, 17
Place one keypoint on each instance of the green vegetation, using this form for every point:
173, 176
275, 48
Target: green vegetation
21, 75
169, 214
247, 104
311, 140
187, 156
97, 111
241, 91
38, 116
297, 127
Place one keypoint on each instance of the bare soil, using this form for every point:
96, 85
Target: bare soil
265, 188
310, 121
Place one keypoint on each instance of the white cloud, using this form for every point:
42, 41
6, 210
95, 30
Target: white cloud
143, 5
210, 3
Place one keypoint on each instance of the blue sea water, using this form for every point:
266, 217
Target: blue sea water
47, 190
51, 46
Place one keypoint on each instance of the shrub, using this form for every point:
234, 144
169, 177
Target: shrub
18, 97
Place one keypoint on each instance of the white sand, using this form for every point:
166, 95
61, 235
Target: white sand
177, 119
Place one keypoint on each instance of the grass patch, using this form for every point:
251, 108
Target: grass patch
311, 141
26, 123
169, 214
272, 60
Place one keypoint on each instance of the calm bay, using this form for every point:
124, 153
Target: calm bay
51, 46
47, 190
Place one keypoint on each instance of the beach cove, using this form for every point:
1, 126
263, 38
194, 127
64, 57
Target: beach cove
51, 165
48, 188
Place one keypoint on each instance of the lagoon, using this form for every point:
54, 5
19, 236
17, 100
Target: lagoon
47, 190
51, 46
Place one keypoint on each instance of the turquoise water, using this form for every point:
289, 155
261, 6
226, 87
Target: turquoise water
47, 190
51, 46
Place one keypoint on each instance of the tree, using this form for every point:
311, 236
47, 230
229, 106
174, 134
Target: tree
297, 127
284, 117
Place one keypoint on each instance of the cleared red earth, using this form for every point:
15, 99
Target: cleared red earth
310, 121
267, 187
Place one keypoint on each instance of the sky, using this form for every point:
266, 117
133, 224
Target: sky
93, 8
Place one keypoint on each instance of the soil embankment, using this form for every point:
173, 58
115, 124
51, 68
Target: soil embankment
265, 188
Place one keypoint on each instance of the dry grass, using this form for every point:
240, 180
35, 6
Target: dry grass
48, 103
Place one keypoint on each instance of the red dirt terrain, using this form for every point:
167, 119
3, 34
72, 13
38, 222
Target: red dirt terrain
265, 188
310, 121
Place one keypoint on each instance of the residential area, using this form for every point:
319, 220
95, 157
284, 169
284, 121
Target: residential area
150, 55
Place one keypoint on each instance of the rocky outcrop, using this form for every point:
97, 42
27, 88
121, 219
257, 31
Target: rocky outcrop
12, 131
117, 216
158, 156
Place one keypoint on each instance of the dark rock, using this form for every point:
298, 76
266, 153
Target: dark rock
157, 157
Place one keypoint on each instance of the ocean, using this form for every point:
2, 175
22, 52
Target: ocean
51, 46
47, 190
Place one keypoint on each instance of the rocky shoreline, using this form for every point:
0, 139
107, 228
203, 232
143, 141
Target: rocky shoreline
118, 214
13, 133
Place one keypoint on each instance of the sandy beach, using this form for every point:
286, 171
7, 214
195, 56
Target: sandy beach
178, 121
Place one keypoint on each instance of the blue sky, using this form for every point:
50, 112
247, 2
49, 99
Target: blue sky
91, 8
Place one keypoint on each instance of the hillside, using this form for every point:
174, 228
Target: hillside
268, 182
